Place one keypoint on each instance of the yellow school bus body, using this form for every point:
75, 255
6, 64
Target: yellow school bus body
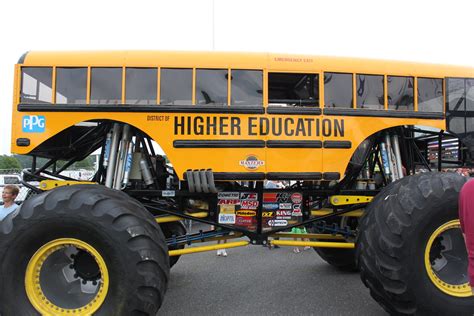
162, 126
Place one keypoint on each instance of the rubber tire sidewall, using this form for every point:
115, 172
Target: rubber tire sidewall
392, 242
118, 227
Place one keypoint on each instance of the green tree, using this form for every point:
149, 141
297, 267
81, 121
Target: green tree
87, 163
9, 162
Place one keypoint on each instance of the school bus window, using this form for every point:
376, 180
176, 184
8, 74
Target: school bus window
140, 85
211, 86
106, 85
370, 94
338, 90
430, 95
36, 85
456, 95
400, 93
470, 95
176, 86
71, 85
246, 87
290, 89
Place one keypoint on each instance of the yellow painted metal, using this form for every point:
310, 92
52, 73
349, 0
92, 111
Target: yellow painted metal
174, 218
40, 301
338, 200
190, 250
161, 127
322, 212
51, 184
456, 290
319, 244
310, 236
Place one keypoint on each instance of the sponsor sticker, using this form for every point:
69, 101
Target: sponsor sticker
269, 197
246, 213
277, 222
297, 206
243, 221
168, 193
251, 162
249, 204
283, 213
229, 202
228, 195
286, 206
226, 218
227, 209
249, 196
268, 214
283, 197
297, 198
270, 206
33, 123
297, 213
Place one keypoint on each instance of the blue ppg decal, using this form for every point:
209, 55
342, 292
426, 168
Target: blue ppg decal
33, 123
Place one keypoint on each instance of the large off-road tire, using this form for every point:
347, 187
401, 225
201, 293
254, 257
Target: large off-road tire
342, 259
82, 250
173, 229
410, 249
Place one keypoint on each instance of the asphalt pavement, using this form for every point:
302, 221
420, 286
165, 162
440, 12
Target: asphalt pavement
254, 280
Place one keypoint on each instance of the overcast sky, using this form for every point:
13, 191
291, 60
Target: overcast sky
428, 31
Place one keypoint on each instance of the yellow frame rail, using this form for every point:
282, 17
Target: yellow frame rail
318, 244
190, 250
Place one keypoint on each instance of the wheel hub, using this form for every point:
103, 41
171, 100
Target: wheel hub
446, 260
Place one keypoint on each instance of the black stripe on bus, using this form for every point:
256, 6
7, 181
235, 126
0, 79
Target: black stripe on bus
239, 176
294, 176
294, 144
382, 113
24, 107
219, 143
331, 175
293, 110
339, 144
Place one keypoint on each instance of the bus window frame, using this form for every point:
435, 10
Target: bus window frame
443, 85
53, 92
353, 75
384, 86
229, 88
267, 91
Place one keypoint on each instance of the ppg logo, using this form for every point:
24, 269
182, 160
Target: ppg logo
33, 123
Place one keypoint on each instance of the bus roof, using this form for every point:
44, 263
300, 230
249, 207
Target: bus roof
240, 60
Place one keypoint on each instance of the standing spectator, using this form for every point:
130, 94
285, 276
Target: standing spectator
9, 194
466, 217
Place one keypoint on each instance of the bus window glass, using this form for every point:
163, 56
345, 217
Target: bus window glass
370, 92
211, 86
71, 85
400, 93
337, 90
246, 87
176, 86
430, 95
140, 85
290, 89
470, 95
456, 97
36, 85
106, 85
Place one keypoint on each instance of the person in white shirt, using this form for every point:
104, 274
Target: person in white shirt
9, 194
